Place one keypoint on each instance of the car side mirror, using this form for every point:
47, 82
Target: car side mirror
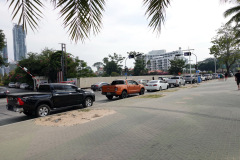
78, 89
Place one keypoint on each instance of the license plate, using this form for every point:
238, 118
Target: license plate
108, 93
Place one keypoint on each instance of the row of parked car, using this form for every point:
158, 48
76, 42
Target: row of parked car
19, 85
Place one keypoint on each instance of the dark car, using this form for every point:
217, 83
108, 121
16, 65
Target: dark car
98, 86
4, 91
52, 96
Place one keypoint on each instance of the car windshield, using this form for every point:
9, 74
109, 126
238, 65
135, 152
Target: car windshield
44, 88
153, 82
117, 82
174, 78
96, 83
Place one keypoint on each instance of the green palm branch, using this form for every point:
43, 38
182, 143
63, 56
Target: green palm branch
81, 17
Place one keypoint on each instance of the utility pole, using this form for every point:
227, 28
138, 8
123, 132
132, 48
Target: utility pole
63, 59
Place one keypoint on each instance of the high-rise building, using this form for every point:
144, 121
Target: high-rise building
159, 59
19, 43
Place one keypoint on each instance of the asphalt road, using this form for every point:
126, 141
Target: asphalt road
8, 117
199, 123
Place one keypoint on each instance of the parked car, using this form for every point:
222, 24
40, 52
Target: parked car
156, 85
190, 78
52, 96
11, 85
215, 76
208, 76
122, 88
163, 78
142, 81
176, 81
29, 87
98, 86
201, 77
24, 85
17, 84
4, 91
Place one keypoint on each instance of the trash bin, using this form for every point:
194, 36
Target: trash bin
199, 79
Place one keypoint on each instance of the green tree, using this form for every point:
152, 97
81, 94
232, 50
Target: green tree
112, 63
177, 66
2, 40
139, 64
225, 48
2, 45
81, 17
208, 65
84, 70
48, 64
98, 65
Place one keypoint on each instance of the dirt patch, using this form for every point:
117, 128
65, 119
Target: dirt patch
152, 96
73, 117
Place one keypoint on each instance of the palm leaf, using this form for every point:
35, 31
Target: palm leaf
28, 12
156, 13
81, 17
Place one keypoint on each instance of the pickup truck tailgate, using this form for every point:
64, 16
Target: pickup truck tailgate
108, 88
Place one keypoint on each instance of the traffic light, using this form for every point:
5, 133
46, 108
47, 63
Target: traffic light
196, 67
131, 56
187, 53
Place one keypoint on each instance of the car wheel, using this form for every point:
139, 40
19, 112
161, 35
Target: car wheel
110, 97
43, 110
167, 87
88, 102
160, 88
141, 92
123, 95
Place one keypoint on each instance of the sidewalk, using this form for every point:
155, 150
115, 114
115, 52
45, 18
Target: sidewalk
198, 123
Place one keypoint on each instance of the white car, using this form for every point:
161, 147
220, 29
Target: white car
24, 85
11, 85
156, 85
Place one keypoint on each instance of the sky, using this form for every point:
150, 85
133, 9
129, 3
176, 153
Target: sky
189, 24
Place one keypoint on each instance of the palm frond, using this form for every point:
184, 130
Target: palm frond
81, 17
156, 13
28, 11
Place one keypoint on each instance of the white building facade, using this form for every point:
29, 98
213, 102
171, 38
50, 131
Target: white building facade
159, 59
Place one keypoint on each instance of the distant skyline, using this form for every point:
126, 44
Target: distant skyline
189, 24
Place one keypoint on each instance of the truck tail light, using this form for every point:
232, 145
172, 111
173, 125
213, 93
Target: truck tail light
7, 100
155, 85
20, 102
116, 88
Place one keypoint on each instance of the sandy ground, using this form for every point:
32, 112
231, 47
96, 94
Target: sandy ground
73, 117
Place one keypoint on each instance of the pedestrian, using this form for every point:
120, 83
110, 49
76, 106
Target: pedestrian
152, 78
226, 76
237, 78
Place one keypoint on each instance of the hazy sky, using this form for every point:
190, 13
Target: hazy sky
189, 24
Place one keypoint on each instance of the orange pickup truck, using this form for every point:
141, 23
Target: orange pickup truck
121, 88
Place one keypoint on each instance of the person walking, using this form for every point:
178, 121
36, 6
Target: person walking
226, 76
237, 78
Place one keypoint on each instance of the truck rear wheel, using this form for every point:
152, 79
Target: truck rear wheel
110, 97
123, 95
43, 110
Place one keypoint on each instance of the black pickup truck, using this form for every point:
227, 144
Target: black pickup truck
49, 97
